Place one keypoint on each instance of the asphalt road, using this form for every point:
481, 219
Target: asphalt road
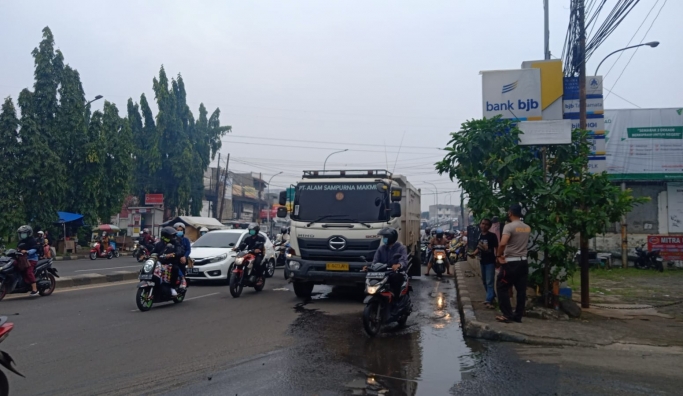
99, 266
93, 340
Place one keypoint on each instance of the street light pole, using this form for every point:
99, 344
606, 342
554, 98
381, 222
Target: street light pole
436, 199
336, 152
583, 241
270, 227
652, 44
98, 97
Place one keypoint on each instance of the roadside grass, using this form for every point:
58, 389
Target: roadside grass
632, 283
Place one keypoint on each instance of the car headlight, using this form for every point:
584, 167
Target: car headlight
149, 265
239, 260
372, 289
218, 258
294, 265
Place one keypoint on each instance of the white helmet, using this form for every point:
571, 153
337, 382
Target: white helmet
203, 229
179, 224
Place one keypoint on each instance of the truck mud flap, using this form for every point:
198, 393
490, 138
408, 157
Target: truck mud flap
415, 265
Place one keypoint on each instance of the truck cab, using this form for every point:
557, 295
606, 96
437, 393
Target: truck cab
335, 218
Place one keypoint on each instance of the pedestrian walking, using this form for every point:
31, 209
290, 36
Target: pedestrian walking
514, 267
486, 249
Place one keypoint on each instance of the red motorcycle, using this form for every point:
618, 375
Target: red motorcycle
243, 273
95, 251
5, 359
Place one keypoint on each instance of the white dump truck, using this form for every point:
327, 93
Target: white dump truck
335, 218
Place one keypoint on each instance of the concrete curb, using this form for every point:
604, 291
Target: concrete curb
93, 279
476, 329
82, 257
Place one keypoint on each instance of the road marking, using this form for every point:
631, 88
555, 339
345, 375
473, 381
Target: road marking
76, 288
95, 269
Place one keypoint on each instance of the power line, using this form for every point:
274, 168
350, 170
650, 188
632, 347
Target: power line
325, 142
311, 147
636, 51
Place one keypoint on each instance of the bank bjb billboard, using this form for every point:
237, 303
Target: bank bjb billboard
513, 94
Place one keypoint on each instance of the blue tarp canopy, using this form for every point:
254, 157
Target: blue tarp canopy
66, 217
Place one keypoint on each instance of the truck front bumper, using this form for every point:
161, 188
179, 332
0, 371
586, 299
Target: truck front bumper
317, 272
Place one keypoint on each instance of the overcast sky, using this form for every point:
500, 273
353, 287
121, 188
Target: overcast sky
298, 80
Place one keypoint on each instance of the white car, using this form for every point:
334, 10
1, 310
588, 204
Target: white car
213, 255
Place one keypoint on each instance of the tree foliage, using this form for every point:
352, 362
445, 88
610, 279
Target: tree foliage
495, 171
11, 208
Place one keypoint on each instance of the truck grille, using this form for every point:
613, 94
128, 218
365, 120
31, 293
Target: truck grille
319, 249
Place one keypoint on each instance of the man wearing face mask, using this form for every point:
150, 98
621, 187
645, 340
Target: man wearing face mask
187, 246
254, 241
386, 253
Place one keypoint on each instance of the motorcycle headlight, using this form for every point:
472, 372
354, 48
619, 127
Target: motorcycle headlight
149, 265
219, 258
239, 260
439, 257
372, 289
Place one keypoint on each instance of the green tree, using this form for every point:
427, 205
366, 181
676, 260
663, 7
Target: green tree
41, 171
495, 171
49, 65
11, 205
93, 173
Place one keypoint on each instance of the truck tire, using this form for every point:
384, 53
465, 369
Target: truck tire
303, 289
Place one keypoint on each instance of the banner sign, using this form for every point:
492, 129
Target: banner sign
154, 199
545, 132
644, 144
595, 121
675, 204
670, 246
512, 94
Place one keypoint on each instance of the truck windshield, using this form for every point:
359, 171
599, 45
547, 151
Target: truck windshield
340, 202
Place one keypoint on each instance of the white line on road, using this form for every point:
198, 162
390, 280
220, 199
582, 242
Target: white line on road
95, 269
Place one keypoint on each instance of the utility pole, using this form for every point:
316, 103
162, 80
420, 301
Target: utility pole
544, 160
546, 32
225, 182
583, 244
218, 186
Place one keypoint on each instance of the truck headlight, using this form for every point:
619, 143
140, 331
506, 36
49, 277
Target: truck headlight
372, 289
294, 265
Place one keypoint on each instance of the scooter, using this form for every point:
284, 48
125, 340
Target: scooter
243, 273
378, 309
5, 359
12, 281
109, 254
439, 258
648, 260
155, 284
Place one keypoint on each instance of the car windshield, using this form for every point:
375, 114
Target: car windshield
218, 240
340, 202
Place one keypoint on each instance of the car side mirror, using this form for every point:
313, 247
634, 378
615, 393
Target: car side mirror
395, 209
282, 199
281, 212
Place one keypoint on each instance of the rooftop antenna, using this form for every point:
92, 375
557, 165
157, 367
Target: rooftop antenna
386, 158
399, 152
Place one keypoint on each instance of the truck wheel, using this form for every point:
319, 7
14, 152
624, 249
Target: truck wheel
303, 289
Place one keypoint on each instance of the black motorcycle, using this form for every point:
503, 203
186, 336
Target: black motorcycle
12, 281
5, 359
155, 285
380, 308
648, 260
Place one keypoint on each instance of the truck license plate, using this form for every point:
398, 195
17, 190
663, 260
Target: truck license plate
337, 266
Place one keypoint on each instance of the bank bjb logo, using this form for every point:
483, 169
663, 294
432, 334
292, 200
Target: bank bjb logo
510, 87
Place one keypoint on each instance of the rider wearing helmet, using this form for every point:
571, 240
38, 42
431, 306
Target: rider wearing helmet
172, 248
439, 239
146, 240
104, 243
27, 245
187, 245
203, 231
255, 242
393, 253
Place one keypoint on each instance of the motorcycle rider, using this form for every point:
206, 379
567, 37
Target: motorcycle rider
394, 253
187, 245
436, 241
172, 253
27, 245
203, 231
104, 243
146, 240
250, 243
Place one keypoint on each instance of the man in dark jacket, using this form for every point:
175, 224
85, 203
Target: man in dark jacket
254, 241
393, 253
169, 246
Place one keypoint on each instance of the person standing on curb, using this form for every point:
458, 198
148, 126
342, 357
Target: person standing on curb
486, 249
514, 267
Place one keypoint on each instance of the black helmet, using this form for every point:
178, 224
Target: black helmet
255, 227
389, 233
24, 231
439, 233
168, 234
283, 230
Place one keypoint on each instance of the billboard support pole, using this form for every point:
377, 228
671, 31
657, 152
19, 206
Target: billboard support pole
546, 32
583, 241
624, 236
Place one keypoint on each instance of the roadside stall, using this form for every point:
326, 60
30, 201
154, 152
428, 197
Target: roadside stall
194, 223
69, 223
